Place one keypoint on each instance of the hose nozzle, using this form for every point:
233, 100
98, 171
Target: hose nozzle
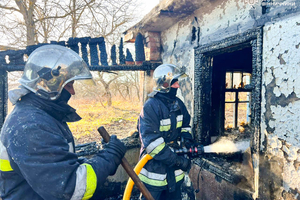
198, 150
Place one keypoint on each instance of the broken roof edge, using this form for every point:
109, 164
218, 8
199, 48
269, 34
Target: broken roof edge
5, 48
162, 17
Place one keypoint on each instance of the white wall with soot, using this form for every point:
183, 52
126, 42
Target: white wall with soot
215, 21
280, 116
281, 96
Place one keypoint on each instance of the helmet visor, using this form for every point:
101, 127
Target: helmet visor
50, 68
180, 76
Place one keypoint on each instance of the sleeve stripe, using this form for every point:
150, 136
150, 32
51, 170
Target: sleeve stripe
179, 118
86, 182
4, 160
91, 182
186, 129
154, 144
3, 152
5, 165
157, 149
179, 124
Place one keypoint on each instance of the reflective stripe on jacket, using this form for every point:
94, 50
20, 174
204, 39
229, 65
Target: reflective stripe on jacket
37, 159
157, 129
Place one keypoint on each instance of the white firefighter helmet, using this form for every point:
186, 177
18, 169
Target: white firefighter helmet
163, 76
50, 67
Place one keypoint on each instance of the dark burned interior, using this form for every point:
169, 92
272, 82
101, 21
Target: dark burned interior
227, 92
231, 74
230, 115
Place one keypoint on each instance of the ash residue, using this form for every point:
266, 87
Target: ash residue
132, 141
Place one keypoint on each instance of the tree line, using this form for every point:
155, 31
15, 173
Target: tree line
30, 22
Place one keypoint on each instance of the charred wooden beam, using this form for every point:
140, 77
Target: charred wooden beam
219, 171
144, 67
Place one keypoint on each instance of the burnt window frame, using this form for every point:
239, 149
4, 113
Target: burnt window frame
203, 82
237, 101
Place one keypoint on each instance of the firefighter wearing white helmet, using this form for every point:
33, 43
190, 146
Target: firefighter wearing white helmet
37, 150
163, 121
164, 75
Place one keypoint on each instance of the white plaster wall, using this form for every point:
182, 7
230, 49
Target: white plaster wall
281, 71
182, 55
226, 19
217, 20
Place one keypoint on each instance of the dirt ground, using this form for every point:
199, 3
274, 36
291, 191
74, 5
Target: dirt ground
120, 128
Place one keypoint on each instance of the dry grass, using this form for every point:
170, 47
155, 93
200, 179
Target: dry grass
119, 119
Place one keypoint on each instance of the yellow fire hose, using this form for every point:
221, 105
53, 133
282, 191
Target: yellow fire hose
137, 170
128, 168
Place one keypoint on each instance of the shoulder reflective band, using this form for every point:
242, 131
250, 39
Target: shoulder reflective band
5, 165
86, 182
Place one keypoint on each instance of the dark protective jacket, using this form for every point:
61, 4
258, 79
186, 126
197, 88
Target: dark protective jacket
161, 124
37, 159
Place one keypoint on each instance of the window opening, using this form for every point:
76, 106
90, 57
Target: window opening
231, 100
215, 67
237, 99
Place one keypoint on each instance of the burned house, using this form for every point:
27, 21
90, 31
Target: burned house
242, 58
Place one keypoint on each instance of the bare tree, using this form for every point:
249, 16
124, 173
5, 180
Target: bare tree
44, 20
28, 22
106, 82
127, 85
24, 9
135, 83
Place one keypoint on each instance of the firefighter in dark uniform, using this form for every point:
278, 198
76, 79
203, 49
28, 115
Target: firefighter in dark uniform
37, 152
164, 120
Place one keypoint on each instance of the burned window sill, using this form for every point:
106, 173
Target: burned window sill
233, 168
230, 157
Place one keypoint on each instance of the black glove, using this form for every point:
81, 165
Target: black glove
117, 148
183, 163
188, 141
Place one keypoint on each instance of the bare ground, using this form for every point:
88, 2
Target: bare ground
121, 129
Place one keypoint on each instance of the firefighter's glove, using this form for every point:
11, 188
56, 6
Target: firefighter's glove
183, 163
117, 148
188, 141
